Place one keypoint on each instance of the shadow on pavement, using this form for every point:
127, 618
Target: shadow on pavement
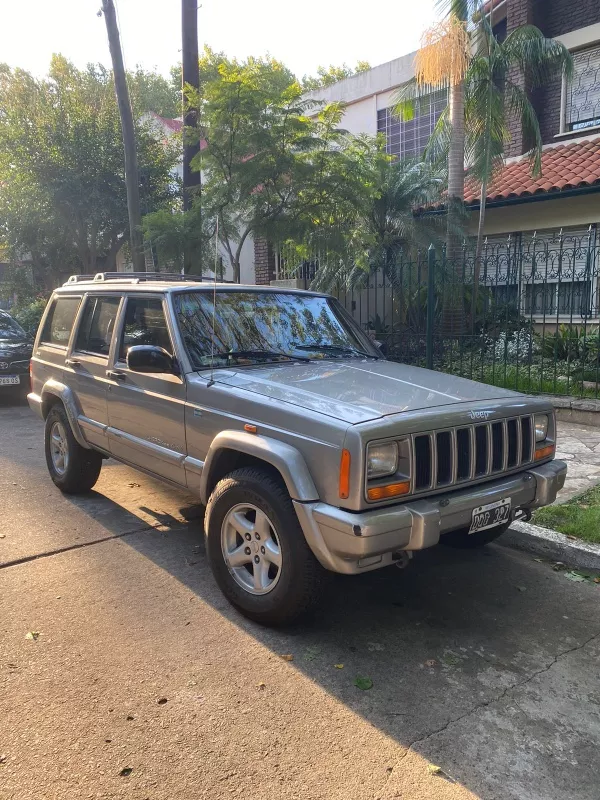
444, 642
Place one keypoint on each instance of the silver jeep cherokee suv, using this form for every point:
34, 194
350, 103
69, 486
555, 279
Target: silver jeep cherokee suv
310, 451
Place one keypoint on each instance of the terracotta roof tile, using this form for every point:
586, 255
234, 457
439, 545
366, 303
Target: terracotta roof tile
566, 166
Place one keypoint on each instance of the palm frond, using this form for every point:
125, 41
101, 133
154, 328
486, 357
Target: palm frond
411, 100
537, 57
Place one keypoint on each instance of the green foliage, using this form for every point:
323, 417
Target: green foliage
326, 76
569, 343
154, 92
29, 314
384, 229
63, 204
269, 169
578, 517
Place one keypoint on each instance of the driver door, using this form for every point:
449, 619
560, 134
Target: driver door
146, 412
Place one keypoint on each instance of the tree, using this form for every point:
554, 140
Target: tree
63, 201
479, 73
270, 169
154, 92
268, 165
132, 183
326, 76
386, 227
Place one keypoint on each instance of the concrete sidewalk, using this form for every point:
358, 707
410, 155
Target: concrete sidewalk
143, 683
579, 446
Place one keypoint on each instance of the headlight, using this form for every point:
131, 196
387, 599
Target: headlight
541, 427
382, 459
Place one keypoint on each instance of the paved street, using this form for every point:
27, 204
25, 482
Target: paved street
143, 683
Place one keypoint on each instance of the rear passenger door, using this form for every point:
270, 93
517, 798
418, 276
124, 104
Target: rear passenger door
53, 342
146, 411
87, 364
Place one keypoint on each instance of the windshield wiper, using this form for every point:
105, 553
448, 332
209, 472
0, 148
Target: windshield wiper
257, 353
334, 348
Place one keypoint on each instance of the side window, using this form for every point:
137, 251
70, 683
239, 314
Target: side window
59, 322
145, 323
97, 325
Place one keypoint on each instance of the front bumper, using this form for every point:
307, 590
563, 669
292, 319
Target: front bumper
349, 542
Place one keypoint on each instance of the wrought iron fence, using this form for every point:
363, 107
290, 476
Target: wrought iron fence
526, 317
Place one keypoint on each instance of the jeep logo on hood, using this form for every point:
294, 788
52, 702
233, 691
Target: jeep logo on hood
480, 414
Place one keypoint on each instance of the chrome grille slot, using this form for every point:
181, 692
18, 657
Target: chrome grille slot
513, 443
423, 462
497, 446
455, 455
481, 450
526, 442
444, 458
463, 454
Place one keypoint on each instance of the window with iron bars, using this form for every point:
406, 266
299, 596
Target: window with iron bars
582, 93
546, 273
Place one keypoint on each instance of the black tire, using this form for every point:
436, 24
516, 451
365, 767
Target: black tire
82, 465
300, 583
462, 540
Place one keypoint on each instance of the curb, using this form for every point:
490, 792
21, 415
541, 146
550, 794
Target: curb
552, 545
573, 409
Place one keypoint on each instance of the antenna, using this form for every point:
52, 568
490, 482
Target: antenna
212, 334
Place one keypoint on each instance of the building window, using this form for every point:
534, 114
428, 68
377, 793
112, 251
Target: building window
582, 100
409, 139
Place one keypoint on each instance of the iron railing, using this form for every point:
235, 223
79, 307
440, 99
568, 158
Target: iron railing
525, 317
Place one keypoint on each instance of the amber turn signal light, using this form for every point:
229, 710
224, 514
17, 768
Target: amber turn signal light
391, 490
345, 475
544, 452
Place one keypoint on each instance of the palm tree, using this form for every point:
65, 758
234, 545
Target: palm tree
386, 226
483, 96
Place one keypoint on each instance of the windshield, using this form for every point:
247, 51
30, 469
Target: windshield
10, 328
254, 327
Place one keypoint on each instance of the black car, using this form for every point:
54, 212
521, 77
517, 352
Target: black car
15, 353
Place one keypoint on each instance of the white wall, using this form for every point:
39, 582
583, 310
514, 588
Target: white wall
366, 93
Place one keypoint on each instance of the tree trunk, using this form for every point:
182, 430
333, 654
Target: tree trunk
190, 75
131, 167
452, 310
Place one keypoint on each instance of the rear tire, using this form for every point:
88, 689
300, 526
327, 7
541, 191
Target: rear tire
463, 540
257, 550
73, 468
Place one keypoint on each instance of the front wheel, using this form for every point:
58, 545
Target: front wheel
257, 550
73, 468
464, 540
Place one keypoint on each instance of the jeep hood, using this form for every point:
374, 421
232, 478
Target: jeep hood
358, 391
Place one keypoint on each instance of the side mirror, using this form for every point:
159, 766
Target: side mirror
149, 358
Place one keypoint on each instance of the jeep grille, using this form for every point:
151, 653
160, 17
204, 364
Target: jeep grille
456, 455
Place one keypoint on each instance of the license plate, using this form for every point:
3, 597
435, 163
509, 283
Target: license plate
490, 516
10, 380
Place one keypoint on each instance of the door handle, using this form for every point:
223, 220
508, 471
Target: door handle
116, 376
72, 362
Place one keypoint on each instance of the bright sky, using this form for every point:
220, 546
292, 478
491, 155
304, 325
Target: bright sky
302, 33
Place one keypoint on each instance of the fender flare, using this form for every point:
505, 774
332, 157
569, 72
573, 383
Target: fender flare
53, 388
288, 461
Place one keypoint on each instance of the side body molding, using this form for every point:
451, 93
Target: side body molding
285, 458
57, 389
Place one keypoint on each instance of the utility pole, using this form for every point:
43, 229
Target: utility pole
190, 74
131, 168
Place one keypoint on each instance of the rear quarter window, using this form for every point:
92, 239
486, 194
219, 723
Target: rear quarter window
59, 322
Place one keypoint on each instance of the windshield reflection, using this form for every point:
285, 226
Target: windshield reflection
252, 327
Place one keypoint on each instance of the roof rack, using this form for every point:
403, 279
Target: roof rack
136, 277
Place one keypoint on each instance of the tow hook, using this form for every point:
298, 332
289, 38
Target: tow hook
402, 558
